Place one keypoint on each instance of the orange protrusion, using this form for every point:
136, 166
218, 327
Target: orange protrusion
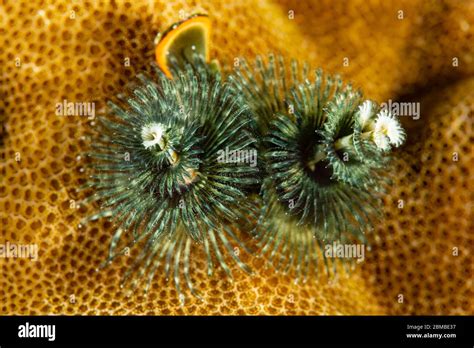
166, 41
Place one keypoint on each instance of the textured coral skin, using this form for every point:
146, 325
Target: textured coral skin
76, 51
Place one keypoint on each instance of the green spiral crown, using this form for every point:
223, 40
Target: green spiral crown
324, 152
157, 172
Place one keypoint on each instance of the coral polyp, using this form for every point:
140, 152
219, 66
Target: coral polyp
156, 171
325, 150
